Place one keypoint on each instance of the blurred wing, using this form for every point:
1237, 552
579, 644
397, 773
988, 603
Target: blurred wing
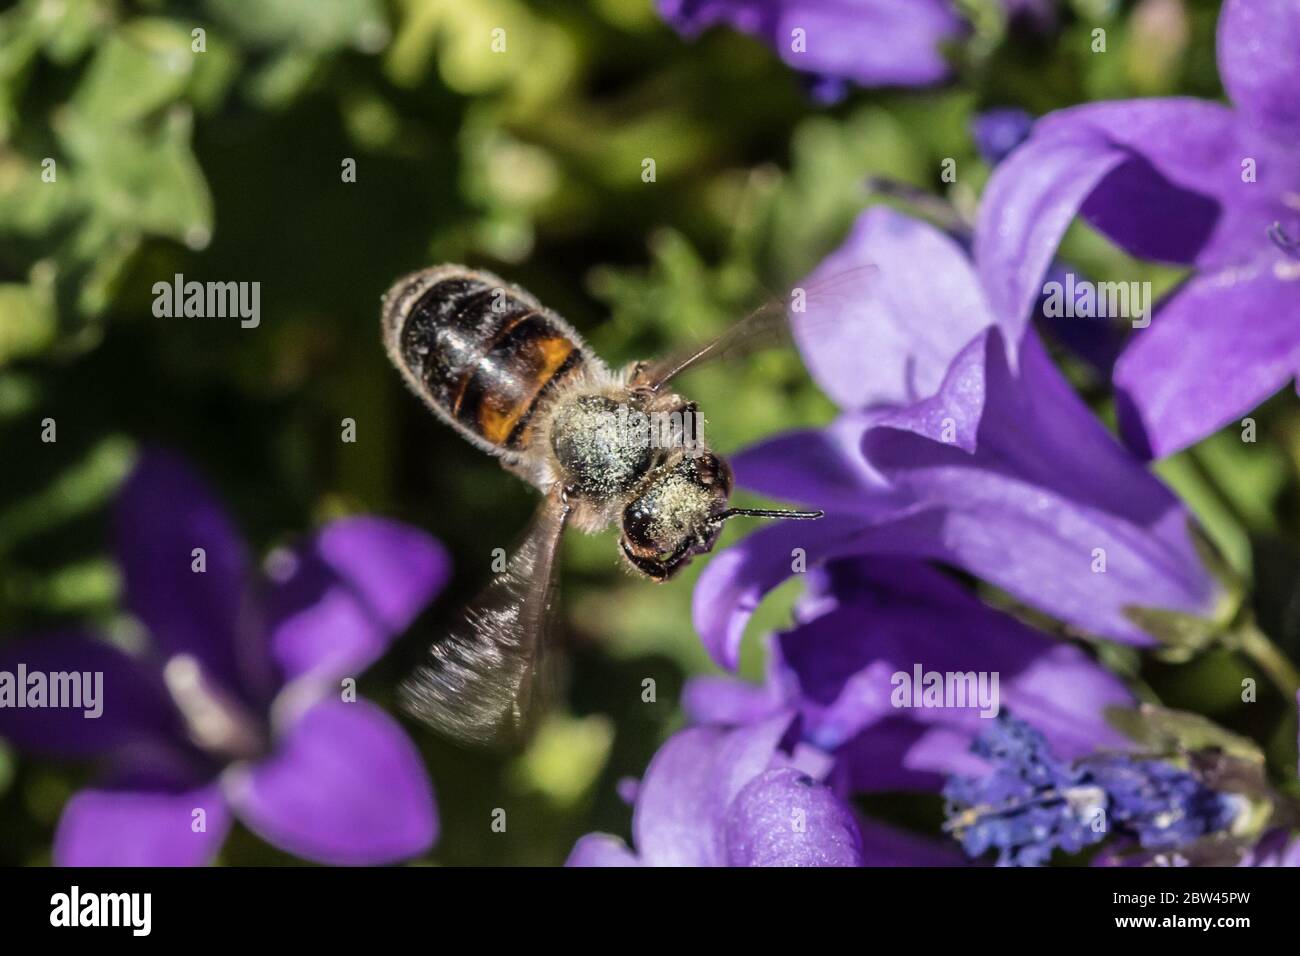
485, 680
769, 326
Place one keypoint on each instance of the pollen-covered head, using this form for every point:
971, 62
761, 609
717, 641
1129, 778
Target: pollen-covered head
677, 515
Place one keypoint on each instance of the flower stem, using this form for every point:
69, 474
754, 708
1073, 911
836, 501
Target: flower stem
1264, 654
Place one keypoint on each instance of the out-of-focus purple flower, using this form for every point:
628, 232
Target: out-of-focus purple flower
1181, 181
734, 797
1031, 803
959, 443
235, 710
867, 42
998, 131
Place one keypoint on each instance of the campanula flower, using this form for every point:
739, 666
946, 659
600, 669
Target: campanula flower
715, 796
1055, 776
960, 442
862, 623
234, 710
1184, 181
869, 42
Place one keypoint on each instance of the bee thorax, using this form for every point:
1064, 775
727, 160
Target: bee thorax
600, 453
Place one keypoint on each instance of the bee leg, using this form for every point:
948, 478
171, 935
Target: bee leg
634, 373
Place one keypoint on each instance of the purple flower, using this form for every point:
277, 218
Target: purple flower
236, 709
867, 42
864, 629
718, 797
1180, 181
959, 443
1057, 776
1031, 802
867, 633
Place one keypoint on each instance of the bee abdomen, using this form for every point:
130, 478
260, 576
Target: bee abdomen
483, 353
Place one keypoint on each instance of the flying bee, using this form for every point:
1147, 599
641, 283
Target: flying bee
602, 446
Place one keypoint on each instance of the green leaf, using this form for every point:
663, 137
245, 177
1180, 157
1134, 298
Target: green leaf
27, 320
1163, 731
319, 25
143, 179
82, 488
1182, 635
143, 66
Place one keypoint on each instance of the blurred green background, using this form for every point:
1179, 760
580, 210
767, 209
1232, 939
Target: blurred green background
226, 165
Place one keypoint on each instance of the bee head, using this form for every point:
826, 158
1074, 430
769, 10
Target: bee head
676, 514
679, 512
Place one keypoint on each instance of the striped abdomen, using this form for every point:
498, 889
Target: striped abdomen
481, 352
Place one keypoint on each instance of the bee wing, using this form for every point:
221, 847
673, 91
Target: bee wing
768, 326
486, 678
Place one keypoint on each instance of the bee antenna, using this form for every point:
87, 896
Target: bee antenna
766, 513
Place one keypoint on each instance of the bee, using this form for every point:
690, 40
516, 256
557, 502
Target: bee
602, 446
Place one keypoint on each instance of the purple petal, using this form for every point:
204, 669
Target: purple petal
341, 599
1044, 489
784, 818
736, 580
951, 415
1161, 177
130, 698
1258, 40
862, 338
689, 785
887, 846
1027, 205
871, 42
1216, 349
901, 754
163, 513
601, 849
1276, 848
846, 661
730, 701
141, 828
344, 786
824, 465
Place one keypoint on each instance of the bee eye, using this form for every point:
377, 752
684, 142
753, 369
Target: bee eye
638, 520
